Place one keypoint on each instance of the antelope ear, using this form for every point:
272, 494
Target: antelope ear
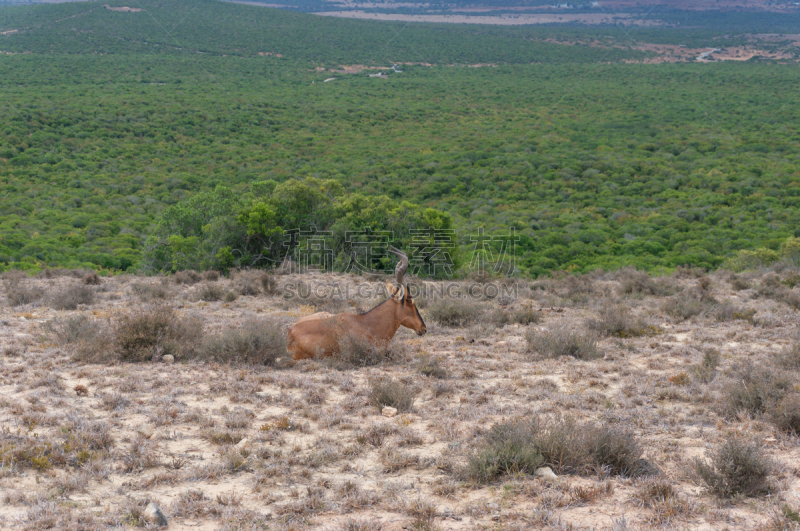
401, 291
390, 289
407, 294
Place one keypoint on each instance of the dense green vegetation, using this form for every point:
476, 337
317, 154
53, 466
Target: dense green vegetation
594, 164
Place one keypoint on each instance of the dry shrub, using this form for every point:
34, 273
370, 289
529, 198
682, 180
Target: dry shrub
70, 297
705, 371
230, 296
564, 339
455, 313
789, 358
635, 282
431, 367
786, 414
562, 444
210, 275
737, 468
90, 340
351, 524
211, 292
18, 291
392, 393
739, 283
771, 287
253, 281
152, 333
753, 390
727, 311
258, 341
358, 351
662, 498
686, 305
148, 292
92, 279
186, 277
617, 321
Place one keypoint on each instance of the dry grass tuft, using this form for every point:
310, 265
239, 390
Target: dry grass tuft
737, 468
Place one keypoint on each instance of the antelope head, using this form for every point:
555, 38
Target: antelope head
406, 312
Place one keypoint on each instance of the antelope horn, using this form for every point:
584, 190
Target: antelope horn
402, 265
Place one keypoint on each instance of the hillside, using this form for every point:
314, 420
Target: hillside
110, 117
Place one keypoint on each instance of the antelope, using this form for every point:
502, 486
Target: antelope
319, 334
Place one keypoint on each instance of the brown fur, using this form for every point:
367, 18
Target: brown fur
318, 334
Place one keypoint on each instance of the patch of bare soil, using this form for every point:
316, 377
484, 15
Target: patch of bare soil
277, 444
270, 54
9, 32
122, 9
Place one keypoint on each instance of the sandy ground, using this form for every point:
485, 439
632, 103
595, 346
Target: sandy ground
310, 462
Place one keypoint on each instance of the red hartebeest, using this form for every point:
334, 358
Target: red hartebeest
319, 334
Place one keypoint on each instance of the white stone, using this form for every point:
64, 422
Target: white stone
146, 430
545, 472
389, 411
152, 513
245, 444
169, 358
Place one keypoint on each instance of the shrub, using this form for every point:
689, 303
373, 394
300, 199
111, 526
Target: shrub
617, 321
147, 292
739, 283
786, 414
230, 296
685, 305
455, 313
564, 340
561, 444
638, 282
430, 366
359, 351
393, 394
92, 279
727, 311
513, 453
789, 358
17, 292
707, 368
70, 297
210, 275
259, 341
525, 316
737, 468
146, 335
186, 277
70, 330
753, 390
252, 281
211, 292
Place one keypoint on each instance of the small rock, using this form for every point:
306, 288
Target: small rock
495, 518
545, 472
245, 444
169, 358
153, 514
389, 411
146, 430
